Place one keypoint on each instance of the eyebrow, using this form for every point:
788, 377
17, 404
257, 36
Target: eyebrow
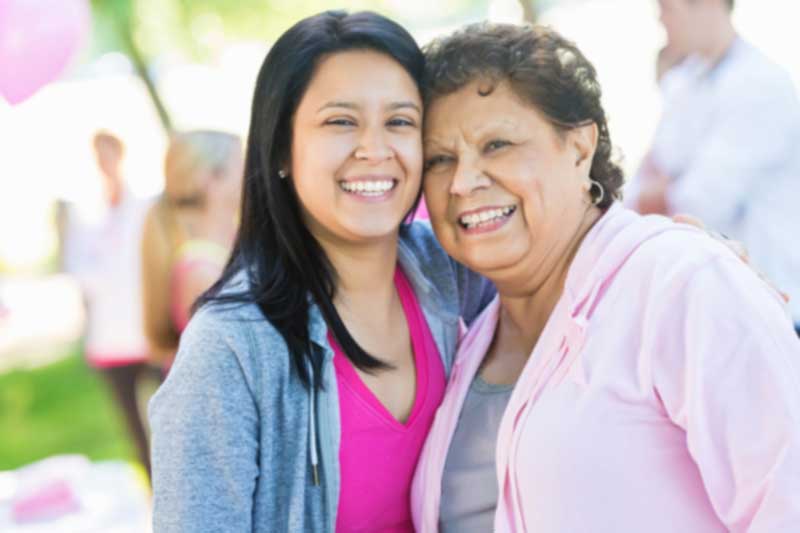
351, 105
482, 130
436, 145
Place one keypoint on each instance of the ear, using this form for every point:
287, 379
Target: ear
583, 141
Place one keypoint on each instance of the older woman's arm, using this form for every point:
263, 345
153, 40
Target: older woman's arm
726, 366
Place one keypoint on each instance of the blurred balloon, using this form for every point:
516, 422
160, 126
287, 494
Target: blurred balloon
38, 38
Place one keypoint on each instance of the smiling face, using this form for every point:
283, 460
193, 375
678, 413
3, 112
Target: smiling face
356, 155
505, 190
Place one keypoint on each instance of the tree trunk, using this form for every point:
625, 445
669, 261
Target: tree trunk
529, 14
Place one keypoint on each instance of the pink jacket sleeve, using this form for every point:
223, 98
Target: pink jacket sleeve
726, 366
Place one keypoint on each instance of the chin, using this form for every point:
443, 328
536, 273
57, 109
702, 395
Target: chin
487, 259
374, 227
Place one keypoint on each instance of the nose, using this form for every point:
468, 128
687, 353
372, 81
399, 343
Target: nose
467, 178
373, 146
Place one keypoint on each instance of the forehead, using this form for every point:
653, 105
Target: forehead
359, 74
675, 5
478, 105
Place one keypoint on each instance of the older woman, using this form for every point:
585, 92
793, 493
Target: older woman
632, 375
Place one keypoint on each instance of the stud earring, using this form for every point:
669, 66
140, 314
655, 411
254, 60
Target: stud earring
282, 174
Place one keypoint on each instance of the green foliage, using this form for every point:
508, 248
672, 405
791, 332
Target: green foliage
61, 408
196, 27
110, 16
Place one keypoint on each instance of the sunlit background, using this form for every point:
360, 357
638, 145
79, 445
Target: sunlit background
202, 57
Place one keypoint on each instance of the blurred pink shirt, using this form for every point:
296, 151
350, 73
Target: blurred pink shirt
662, 396
192, 254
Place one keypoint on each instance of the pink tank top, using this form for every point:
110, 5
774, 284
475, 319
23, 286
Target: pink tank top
378, 454
193, 253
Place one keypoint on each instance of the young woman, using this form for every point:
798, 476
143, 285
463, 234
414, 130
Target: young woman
633, 374
188, 232
307, 380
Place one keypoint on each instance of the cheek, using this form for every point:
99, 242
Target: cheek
409, 153
546, 198
437, 197
315, 162
437, 200
554, 203
319, 151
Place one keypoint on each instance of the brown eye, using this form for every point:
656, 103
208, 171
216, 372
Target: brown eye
435, 161
340, 122
495, 144
400, 121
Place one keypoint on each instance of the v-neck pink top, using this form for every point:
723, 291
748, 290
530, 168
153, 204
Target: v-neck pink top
378, 454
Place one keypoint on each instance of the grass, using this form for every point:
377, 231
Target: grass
64, 407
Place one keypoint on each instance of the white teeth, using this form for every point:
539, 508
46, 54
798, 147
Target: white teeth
485, 217
367, 188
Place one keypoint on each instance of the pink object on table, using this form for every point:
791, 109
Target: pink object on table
38, 38
49, 501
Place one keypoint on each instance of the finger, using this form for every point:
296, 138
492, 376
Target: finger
682, 218
784, 296
739, 249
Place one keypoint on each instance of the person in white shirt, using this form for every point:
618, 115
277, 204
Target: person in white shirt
102, 253
727, 148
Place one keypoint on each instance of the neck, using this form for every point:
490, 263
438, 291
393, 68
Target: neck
114, 196
719, 41
217, 227
526, 312
364, 273
218, 222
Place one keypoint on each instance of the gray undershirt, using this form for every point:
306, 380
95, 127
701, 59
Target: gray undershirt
469, 483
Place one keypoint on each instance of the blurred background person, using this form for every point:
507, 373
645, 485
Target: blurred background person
668, 57
725, 149
102, 254
188, 232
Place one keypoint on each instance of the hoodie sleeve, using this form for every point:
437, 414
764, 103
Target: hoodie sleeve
204, 437
474, 291
726, 366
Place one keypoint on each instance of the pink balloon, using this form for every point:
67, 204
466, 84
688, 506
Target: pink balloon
38, 38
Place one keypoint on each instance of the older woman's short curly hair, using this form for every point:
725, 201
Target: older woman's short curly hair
542, 68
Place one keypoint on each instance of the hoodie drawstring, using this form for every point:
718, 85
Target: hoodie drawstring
312, 423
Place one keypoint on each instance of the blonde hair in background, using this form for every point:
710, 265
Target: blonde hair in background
192, 159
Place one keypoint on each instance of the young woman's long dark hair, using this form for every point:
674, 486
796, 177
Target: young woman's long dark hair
283, 261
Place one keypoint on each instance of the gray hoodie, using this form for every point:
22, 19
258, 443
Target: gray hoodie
236, 437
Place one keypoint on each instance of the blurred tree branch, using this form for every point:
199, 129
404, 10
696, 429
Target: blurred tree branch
118, 15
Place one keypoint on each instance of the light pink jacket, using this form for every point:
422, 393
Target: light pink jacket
663, 396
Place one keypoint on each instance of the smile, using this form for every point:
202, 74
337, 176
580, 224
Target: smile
486, 218
369, 188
